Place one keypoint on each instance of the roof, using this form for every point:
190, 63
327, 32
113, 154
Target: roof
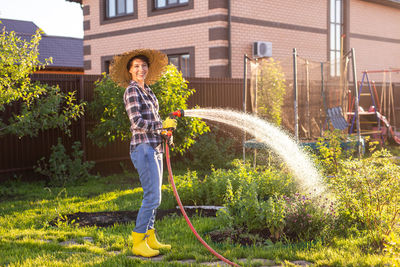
19, 26
65, 51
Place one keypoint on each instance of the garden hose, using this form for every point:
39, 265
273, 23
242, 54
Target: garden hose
171, 180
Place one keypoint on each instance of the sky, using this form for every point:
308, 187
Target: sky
54, 17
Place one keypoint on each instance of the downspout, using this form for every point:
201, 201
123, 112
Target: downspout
229, 40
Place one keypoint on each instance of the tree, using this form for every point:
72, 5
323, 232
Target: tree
113, 124
27, 107
271, 90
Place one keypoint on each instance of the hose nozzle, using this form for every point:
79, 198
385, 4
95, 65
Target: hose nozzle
179, 113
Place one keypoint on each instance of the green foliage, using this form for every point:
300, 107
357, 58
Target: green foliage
113, 124
108, 109
269, 182
172, 92
271, 89
368, 192
297, 218
34, 106
61, 169
308, 218
210, 150
274, 215
330, 151
392, 247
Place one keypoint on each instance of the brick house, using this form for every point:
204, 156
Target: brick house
208, 38
67, 52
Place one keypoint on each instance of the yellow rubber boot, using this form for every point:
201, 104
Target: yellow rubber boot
153, 242
140, 246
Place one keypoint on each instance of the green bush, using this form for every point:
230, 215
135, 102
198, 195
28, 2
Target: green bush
368, 193
210, 150
308, 218
295, 218
269, 182
112, 122
61, 169
271, 90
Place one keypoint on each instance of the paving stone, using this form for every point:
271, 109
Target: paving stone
186, 261
88, 239
157, 258
68, 242
301, 263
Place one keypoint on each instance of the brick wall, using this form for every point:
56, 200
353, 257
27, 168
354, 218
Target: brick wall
372, 29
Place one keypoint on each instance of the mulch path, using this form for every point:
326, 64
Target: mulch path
110, 218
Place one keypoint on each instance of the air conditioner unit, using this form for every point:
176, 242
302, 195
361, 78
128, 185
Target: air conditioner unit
262, 49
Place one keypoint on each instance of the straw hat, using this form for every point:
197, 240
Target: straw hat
157, 62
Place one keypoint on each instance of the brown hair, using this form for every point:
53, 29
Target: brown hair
142, 57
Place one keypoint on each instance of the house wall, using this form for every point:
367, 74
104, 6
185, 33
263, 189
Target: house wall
372, 29
188, 29
286, 24
375, 35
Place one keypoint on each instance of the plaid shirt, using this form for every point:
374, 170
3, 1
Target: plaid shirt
142, 108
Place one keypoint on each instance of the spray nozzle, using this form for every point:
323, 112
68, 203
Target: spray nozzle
179, 113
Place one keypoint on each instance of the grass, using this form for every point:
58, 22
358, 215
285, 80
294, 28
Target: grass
28, 239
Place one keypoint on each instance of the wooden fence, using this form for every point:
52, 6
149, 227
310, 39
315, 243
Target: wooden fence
19, 155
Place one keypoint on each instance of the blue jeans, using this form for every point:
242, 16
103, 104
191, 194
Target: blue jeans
149, 165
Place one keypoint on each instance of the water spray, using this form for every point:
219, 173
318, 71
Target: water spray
275, 138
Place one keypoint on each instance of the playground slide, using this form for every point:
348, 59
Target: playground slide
393, 134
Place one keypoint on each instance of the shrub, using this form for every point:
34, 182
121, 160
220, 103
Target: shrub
297, 218
368, 193
61, 169
210, 151
268, 182
309, 217
271, 90
108, 109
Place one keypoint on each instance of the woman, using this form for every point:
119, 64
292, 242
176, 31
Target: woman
136, 70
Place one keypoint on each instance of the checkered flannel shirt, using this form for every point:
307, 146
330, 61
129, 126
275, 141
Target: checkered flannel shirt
142, 108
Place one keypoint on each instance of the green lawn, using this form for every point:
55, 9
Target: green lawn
27, 238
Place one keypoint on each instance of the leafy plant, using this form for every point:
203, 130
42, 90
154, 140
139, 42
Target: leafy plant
210, 150
271, 89
32, 106
107, 108
308, 218
61, 169
368, 193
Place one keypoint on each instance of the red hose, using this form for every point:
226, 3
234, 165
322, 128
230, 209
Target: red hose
171, 180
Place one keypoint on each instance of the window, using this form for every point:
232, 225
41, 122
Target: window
181, 62
118, 8
336, 25
169, 3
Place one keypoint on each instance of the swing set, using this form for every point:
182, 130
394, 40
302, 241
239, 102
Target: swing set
383, 129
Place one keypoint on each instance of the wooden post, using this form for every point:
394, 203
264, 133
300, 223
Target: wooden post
296, 111
353, 58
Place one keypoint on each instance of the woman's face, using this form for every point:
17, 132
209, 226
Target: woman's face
139, 70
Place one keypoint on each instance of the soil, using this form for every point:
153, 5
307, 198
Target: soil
106, 219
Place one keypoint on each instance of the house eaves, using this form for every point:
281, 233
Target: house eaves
76, 1
389, 3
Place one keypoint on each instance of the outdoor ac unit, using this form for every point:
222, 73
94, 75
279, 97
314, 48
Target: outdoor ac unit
262, 49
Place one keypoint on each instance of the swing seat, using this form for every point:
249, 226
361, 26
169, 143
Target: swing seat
335, 115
